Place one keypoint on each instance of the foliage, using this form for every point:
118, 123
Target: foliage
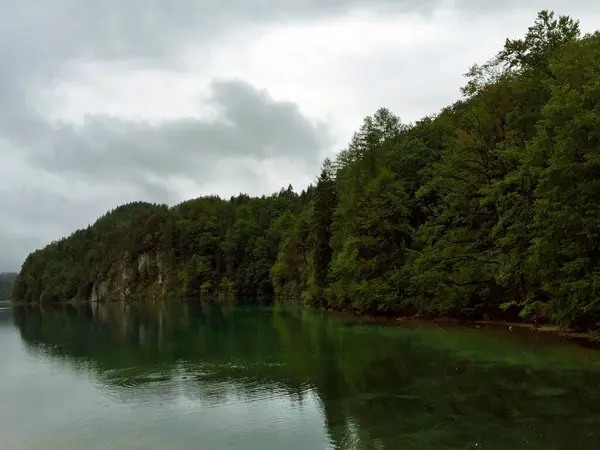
487, 209
6, 281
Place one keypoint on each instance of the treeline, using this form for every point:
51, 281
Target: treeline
6, 281
489, 208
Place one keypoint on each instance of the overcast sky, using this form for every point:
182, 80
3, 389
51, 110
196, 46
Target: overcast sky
107, 102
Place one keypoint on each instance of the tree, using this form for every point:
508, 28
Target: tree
325, 204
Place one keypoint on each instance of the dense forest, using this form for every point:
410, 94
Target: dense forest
6, 281
489, 208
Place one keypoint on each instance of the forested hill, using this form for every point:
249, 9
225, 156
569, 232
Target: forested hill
6, 280
489, 208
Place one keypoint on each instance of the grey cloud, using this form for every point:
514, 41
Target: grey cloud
41, 42
42, 33
47, 34
249, 123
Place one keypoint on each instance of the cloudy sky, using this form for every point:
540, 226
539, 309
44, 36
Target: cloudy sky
106, 102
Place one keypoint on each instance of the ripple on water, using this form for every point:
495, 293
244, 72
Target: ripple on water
279, 379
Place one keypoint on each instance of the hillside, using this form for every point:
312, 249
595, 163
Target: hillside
6, 280
490, 208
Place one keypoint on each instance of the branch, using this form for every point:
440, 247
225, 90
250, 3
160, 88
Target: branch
472, 258
470, 283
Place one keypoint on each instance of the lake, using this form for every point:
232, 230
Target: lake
281, 376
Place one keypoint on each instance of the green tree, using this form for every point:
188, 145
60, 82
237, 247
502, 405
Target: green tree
325, 204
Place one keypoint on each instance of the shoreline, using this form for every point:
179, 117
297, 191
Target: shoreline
588, 339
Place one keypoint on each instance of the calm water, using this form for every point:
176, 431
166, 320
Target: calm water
284, 377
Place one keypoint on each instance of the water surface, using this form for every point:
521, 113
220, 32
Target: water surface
277, 376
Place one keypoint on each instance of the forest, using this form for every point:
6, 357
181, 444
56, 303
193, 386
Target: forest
6, 280
487, 209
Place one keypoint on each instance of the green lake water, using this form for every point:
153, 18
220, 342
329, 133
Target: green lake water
279, 376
